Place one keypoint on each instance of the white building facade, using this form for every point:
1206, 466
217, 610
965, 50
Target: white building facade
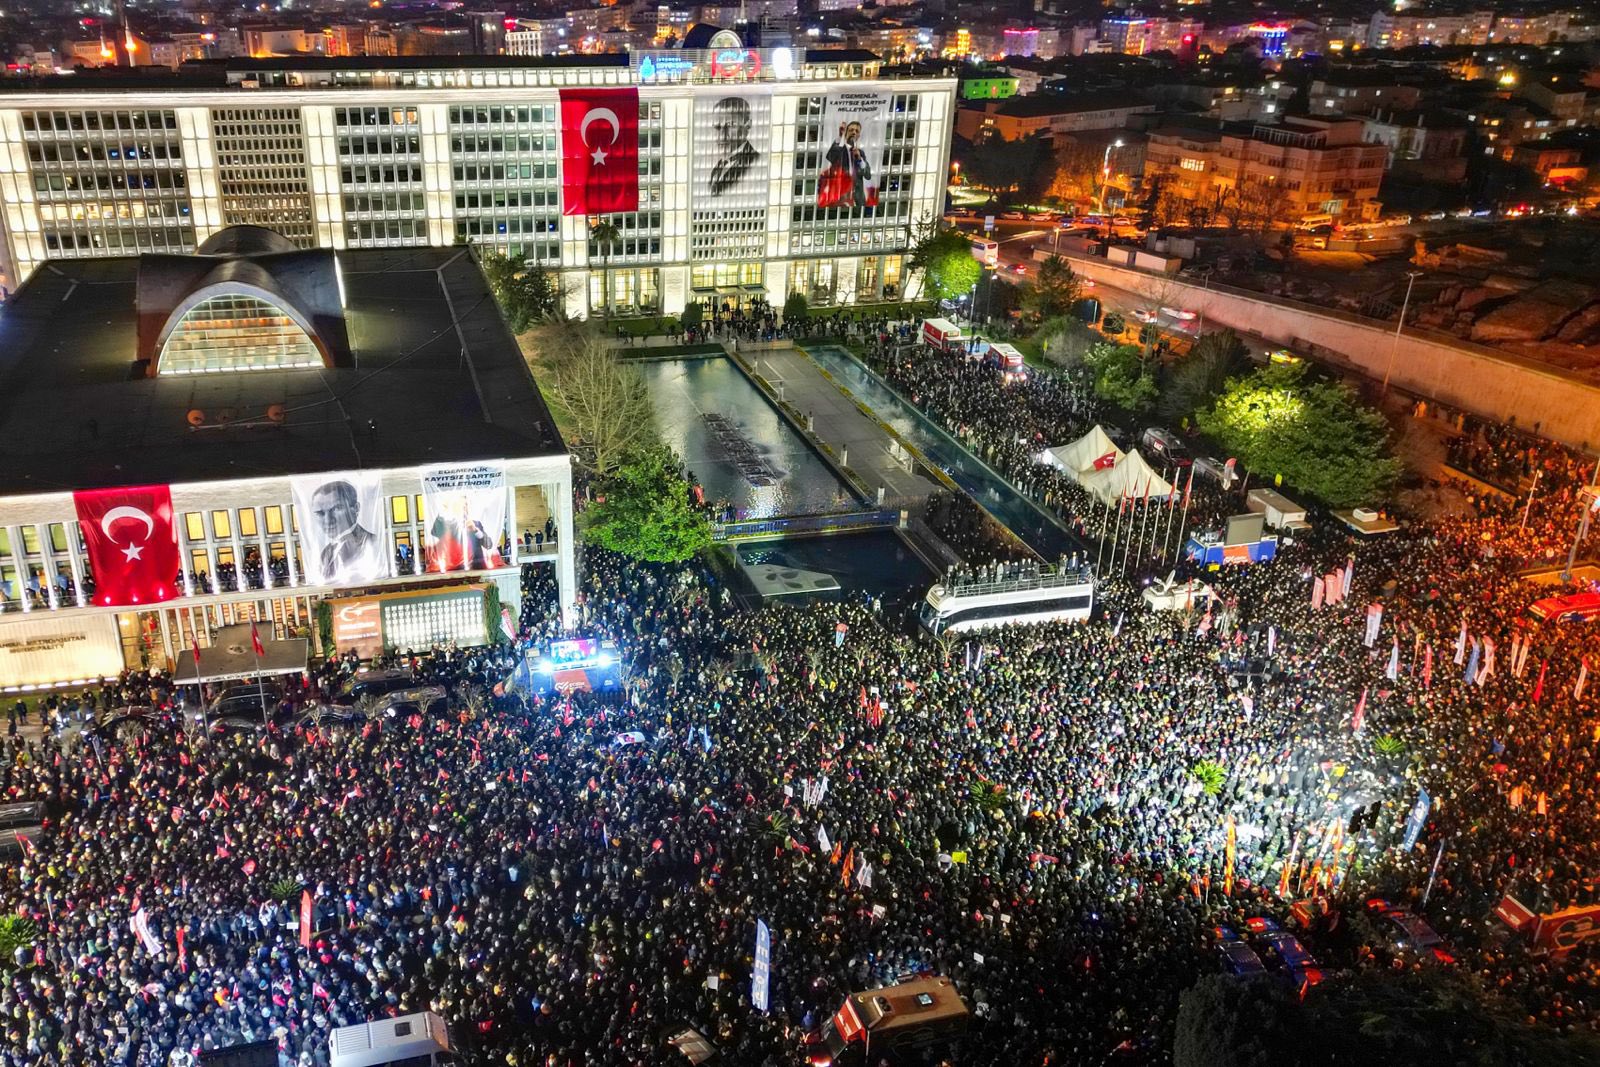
374, 153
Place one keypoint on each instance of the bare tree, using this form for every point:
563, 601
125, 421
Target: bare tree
609, 406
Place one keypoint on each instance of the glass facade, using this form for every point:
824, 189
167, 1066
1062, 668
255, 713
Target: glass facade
261, 170
232, 333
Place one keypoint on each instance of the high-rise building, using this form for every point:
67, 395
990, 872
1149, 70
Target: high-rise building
374, 152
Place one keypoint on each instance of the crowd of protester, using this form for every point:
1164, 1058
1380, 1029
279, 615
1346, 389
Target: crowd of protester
1018, 809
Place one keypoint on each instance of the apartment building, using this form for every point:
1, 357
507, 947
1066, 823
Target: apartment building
1300, 168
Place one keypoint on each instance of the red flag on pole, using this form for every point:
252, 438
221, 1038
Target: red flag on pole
1105, 462
599, 151
1187, 487
255, 640
1538, 687
305, 918
1360, 716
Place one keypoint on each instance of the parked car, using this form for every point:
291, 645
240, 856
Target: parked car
1146, 316
1411, 932
1238, 958
1215, 469
1122, 220
1013, 216
1042, 216
1282, 949
1181, 314
373, 691
20, 814
130, 718
1165, 444
1575, 607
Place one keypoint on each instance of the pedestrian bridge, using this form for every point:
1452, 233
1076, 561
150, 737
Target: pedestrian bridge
800, 525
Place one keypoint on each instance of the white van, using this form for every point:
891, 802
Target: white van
420, 1040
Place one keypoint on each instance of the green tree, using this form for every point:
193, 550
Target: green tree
1316, 434
644, 511
526, 294
1195, 380
1067, 341
795, 308
491, 615
1224, 1022
1121, 377
1053, 290
604, 235
693, 314
944, 257
16, 932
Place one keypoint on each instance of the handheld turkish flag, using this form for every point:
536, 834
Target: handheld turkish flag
599, 151
1106, 461
133, 544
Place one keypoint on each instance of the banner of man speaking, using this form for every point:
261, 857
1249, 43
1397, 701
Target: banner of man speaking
466, 514
852, 126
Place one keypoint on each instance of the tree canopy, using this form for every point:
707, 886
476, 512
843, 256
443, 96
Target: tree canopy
1195, 380
526, 294
948, 267
1316, 434
795, 307
643, 511
1052, 291
1120, 376
609, 409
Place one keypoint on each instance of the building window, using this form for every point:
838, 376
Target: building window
275, 519
194, 526
236, 332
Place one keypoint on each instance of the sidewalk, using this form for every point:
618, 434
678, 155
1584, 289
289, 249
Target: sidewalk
857, 440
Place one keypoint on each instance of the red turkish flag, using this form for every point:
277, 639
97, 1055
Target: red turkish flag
1103, 462
133, 543
599, 151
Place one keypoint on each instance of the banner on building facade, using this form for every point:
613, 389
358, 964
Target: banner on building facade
40, 649
599, 151
730, 171
852, 128
466, 514
340, 517
132, 542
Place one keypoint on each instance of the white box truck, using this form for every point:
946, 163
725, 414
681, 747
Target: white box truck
1281, 512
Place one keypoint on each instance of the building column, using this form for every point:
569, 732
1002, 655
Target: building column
288, 542
19, 553
166, 637
566, 552
75, 560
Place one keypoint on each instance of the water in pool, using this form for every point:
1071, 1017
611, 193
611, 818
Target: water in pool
739, 448
873, 562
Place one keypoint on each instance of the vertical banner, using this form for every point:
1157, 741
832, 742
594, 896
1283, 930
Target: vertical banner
1230, 857
599, 151
761, 973
340, 516
730, 174
852, 127
1417, 819
132, 541
305, 918
467, 521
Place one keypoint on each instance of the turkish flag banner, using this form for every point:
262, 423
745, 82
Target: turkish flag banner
1106, 461
599, 151
133, 543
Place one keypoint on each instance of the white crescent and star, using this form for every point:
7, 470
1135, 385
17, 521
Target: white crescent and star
132, 550
610, 117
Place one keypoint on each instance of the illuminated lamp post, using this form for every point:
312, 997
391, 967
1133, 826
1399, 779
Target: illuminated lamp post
1394, 345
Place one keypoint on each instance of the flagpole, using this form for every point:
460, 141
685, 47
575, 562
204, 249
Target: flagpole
1111, 566
1166, 535
1183, 523
1100, 538
261, 685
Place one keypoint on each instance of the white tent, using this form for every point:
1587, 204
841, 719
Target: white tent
1077, 459
1131, 477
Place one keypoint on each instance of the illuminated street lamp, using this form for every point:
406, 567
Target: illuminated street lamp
1105, 174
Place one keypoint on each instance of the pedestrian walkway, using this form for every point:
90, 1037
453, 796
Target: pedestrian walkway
858, 441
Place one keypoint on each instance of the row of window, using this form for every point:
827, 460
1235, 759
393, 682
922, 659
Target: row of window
131, 210
260, 131
387, 230
508, 198
81, 121
129, 240
78, 152
385, 174
374, 116
360, 203
399, 144
118, 180
522, 116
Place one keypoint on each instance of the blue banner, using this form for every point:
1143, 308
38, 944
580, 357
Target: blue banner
762, 972
1417, 819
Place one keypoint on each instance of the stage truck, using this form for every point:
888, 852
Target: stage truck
1044, 594
913, 1024
581, 664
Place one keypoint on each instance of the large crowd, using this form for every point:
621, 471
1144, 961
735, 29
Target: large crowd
1017, 809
